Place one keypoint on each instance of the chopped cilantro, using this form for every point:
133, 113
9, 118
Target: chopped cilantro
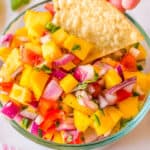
51, 27
135, 94
136, 45
40, 133
139, 67
97, 119
1, 105
25, 123
102, 111
57, 123
124, 122
44, 68
76, 47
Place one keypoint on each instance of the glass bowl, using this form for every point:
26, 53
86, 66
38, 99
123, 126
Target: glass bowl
18, 22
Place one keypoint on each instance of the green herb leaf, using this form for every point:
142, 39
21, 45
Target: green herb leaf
97, 119
136, 45
1, 105
51, 27
15, 4
25, 123
44, 68
102, 111
139, 67
69, 139
124, 122
135, 94
76, 47
40, 133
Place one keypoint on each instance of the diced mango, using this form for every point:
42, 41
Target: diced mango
69, 66
20, 94
38, 80
35, 21
144, 86
12, 63
25, 77
112, 78
83, 47
109, 61
142, 55
59, 36
102, 123
68, 83
71, 101
81, 121
67, 109
58, 138
4, 98
51, 51
4, 52
34, 47
129, 107
114, 113
21, 32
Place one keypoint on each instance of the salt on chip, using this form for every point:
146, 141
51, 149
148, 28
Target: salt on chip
98, 22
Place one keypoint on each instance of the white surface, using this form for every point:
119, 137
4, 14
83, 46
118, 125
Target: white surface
138, 139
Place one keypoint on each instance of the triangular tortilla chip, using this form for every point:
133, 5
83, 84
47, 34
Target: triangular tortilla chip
96, 21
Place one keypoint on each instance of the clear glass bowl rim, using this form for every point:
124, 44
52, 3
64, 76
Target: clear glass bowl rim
130, 126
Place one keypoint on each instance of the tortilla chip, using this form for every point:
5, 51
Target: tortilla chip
98, 22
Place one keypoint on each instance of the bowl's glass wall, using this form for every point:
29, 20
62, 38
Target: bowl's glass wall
18, 22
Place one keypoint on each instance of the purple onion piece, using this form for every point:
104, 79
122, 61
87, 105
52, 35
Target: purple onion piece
120, 72
59, 74
5, 40
122, 85
34, 129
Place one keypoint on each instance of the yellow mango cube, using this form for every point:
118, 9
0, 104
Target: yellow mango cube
4, 98
12, 63
34, 47
78, 47
71, 101
129, 107
38, 80
25, 77
69, 66
81, 121
22, 32
59, 36
4, 52
114, 113
112, 78
51, 51
102, 123
142, 55
58, 138
20, 94
68, 83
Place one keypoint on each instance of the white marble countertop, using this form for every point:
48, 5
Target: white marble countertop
138, 139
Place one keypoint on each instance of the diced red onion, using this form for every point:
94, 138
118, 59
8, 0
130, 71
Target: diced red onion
18, 118
52, 91
103, 102
129, 88
84, 73
34, 128
10, 110
46, 38
39, 119
122, 85
29, 113
18, 71
5, 40
63, 60
120, 72
134, 51
73, 133
65, 127
59, 74
111, 98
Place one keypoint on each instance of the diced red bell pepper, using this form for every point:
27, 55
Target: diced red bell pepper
122, 95
45, 105
129, 62
50, 133
30, 57
76, 60
6, 86
50, 8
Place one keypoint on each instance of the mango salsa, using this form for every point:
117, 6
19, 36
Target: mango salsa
20, 94
68, 83
4, 52
78, 47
